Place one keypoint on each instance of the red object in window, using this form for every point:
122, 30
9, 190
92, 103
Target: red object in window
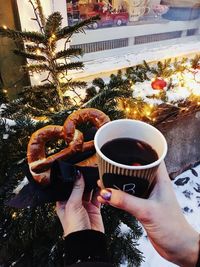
108, 16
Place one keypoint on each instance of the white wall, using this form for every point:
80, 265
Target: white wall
26, 14
49, 6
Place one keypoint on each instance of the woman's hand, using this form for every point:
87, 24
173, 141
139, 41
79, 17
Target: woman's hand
81, 211
162, 218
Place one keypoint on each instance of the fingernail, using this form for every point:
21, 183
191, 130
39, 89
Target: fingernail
106, 194
78, 174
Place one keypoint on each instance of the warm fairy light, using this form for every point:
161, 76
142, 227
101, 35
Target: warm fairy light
148, 113
5, 91
127, 109
53, 36
41, 118
198, 103
135, 112
14, 215
38, 51
51, 109
5, 27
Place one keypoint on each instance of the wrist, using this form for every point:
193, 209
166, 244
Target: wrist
188, 252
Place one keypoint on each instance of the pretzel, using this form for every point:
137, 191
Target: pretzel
39, 164
95, 116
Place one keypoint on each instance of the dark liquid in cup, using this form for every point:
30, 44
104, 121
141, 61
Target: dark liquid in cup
129, 151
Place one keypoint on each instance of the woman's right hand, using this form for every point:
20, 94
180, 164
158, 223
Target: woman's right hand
160, 214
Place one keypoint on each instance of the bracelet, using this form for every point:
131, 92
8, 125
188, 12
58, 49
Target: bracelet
198, 261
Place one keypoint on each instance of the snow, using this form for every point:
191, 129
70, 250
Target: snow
189, 200
183, 86
103, 66
20, 185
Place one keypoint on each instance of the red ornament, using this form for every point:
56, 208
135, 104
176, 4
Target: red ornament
197, 67
158, 84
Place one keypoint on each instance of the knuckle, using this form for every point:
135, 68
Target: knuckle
121, 201
73, 205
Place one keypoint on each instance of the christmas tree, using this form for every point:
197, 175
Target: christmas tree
33, 236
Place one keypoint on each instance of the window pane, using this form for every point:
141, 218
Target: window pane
128, 23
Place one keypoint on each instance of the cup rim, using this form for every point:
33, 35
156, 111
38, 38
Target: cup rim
119, 165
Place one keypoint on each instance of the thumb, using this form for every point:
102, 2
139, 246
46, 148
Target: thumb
78, 189
119, 199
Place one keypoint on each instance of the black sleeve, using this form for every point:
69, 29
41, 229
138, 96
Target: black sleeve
87, 247
198, 261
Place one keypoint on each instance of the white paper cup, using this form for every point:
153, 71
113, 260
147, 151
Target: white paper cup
135, 180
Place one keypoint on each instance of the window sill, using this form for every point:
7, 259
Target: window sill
133, 55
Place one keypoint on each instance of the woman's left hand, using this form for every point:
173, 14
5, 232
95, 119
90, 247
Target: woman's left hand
81, 211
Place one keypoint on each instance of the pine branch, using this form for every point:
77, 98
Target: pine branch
103, 97
196, 61
36, 67
68, 53
53, 24
70, 66
25, 36
40, 87
29, 55
73, 84
34, 48
68, 31
99, 82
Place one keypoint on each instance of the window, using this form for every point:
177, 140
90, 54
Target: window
128, 26
128, 32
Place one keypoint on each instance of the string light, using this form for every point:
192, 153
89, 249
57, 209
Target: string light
51, 109
5, 91
14, 215
53, 36
183, 84
5, 27
38, 51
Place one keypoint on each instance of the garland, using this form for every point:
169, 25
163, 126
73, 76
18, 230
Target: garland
157, 93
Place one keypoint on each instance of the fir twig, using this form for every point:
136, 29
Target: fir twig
68, 53
68, 31
29, 55
23, 36
70, 66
